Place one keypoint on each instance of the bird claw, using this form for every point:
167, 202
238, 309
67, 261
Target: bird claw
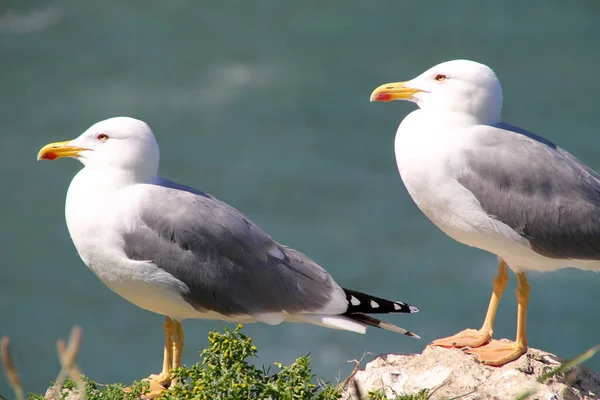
468, 338
158, 384
162, 379
497, 353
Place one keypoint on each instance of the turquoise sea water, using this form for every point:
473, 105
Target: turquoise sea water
265, 105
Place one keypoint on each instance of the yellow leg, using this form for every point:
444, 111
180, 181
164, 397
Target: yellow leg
168, 351
477, 338
177, 347
499, 353
178, 339
160, 382
523, 291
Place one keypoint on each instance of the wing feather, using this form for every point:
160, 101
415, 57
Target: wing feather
538, 189
229, 264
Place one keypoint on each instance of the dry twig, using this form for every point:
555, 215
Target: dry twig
67, 354
9, 368
348, 380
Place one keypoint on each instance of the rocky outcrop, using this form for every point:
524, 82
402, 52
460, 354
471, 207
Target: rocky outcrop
450, 373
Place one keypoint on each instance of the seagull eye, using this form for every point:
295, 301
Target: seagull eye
103, 137
440, 77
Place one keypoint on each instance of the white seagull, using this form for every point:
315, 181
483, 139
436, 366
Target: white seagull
494, 186
182, 253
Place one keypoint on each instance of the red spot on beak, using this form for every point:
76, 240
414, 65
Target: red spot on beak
49, 156
383, 97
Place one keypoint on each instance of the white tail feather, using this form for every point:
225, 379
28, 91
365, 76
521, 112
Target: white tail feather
334, 322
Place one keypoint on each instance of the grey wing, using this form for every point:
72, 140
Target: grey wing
538, 189
229, 264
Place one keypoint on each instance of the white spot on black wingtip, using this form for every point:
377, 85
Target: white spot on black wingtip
413, 309
374, 304
354, 301
397, 306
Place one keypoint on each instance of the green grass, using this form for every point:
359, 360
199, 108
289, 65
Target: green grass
562, 369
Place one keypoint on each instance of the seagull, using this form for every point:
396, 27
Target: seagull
493, 186
182, 253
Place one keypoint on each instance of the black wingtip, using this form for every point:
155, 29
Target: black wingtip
359, 302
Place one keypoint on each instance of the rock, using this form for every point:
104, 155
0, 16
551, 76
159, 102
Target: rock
452, 373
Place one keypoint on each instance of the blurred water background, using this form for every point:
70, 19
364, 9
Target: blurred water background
265, 105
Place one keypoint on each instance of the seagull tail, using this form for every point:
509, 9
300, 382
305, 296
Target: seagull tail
355, 318
366, 304
360, 304
371, 321
334, 322
355, 323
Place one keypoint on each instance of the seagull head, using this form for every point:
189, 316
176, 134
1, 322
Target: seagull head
122, 142
460, 86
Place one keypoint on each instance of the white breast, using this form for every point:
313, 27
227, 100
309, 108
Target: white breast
428, 150
426, 155
97, 211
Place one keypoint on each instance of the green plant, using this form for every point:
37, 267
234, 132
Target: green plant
225, 373
380, 395
96, 391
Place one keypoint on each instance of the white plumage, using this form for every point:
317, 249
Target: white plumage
493, 186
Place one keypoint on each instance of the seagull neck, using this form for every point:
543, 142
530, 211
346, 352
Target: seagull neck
451, 119
108, 179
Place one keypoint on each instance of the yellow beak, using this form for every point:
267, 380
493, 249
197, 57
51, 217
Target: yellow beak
393, 91
56, 150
